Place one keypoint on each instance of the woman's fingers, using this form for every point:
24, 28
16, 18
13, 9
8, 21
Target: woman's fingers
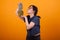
22, 16
17, 11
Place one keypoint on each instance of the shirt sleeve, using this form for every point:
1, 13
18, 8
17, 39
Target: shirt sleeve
27, 18
24, 19
35, 20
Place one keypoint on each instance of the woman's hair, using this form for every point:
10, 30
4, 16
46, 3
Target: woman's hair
35, 9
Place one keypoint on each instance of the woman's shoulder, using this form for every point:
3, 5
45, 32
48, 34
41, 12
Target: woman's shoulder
37, 17
28, 16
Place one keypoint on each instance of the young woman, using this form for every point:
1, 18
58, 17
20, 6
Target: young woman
32, 23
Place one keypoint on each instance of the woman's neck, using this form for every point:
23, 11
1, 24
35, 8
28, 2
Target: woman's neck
31, 15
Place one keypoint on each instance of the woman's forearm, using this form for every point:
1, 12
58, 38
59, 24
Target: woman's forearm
29, 25
26, 21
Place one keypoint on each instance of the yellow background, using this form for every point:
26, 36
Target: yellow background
13, 28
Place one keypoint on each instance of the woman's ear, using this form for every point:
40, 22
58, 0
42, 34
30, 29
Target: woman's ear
34, 12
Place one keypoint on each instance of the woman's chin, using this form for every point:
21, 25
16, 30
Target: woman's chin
28, 13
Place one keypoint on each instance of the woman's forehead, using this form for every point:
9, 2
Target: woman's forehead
30, 7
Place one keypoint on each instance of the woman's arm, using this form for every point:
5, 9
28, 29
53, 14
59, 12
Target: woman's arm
29, 25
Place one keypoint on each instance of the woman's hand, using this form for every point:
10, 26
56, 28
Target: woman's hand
23, 16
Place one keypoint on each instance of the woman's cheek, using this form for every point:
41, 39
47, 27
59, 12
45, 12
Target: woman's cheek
29, 11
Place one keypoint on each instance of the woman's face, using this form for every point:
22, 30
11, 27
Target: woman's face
30, 10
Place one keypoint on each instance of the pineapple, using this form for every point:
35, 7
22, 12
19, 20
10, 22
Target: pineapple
20, 11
